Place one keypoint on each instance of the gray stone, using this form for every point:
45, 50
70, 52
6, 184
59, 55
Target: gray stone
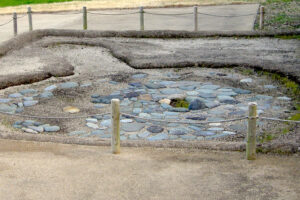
50, 88
28, 130
178, 131
197, 105
145, 115
68, 85
132, 127
157, 115
137, 110
155, 129
144, 134
192, 93
137, 84
160, 136
28, 98
205, 133
15, 95
30, 103
169, 91
270, 87
39, 129
188, 137
97, 132
4, 100
228, 133
178, 109
46, 95
210, 87
87, 84
76, 133
133, 137
187, 87
126, 120
7, 109
106, 136
106, 123
212, 104
227, 99
139, 76
246, 80
51, 128
195, 128
28, 91
215, 129
196, 117
91, 120
241, 91
154, 85
284, 98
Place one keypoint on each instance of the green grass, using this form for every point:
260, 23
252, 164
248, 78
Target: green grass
5, 3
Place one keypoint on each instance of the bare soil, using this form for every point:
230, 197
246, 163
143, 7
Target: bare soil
31, 170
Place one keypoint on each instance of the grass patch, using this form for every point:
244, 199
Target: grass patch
179, 103
288, 37
5, 3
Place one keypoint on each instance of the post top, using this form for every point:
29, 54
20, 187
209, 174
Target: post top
252, 104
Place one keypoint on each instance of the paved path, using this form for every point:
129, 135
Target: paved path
152, 22
31, 170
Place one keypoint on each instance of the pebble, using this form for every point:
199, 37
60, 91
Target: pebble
46, 95
126, 120
205, 133
246, 80
28, 91
28, 130
284, 98
39, 129
178, 131
50, 88
15, 95
227, 99
68, 85
144, 134
132, 127
188, 137
4, 100
6, 108
91, 120
77, 133
197, 105
160, 136
139, 76
106, 123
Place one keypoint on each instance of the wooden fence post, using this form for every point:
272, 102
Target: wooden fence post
142, 27
84, 11
29, 18
15, 18
195, 18
115, 120
251, 134
261, 17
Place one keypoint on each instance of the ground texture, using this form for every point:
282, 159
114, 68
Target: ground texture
54, 171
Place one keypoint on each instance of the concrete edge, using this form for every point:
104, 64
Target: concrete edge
22, 39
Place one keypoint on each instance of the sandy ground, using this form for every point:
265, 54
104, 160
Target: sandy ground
131, 22
106, 4
30, 170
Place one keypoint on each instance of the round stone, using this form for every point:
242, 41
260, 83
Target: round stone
155, 129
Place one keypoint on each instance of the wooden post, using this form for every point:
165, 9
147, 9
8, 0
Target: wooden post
29, 18
195, 18
15, 18
251, 134
142, 27
84, 18
261, 17
115, 120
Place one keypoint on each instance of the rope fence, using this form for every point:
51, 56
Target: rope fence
116, 117
141, 13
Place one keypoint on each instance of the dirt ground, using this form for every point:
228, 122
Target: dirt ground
30, 170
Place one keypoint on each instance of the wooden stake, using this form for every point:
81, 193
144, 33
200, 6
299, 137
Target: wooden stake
261, 17
115, 120
195, 18
15, 19
84, 18
251, 134
142, 26
29, 18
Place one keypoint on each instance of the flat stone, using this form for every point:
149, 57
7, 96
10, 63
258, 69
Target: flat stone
192, 93
178, 109
227, 94
214, 119
28, 130
97, 132
160, 136
154, 85
166, 113
144, 134
106, 123
176, 96
91, 120
215, 129
28, 98
284, 98
195, 128
210, 87
207, 95
167, 83
270, 87
205, 133
227, 99
77, 133
30, 103
132, 127
106, 136
4, 100
50, 88
28, 123
212, 104
132, 94
145, 115
46, 95
169, 91
155, 129
113, 82
187, 87
166, 106
137, 84
7, 109
15, 95
146, 97
197, 105
228, 133
157, 115
87, 84
28, 91
188, 137
39, 129
68, 85
178, 131
139, 76
196, 117
133, 137
51, 128
246, 80
137, 110
126, 120
241, 91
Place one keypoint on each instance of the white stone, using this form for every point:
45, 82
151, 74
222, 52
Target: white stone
166, 101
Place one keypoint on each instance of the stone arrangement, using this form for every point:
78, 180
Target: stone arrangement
149, 113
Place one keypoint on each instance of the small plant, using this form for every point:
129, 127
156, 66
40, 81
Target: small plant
179, 103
